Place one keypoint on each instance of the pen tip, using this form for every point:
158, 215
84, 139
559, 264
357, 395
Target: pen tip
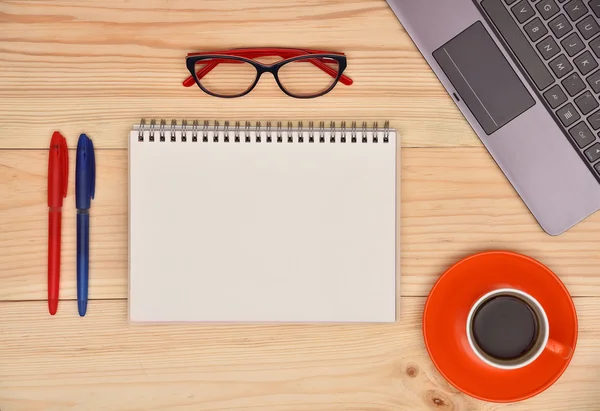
53, 305
82, 306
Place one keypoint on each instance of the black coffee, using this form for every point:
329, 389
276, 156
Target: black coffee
505, 327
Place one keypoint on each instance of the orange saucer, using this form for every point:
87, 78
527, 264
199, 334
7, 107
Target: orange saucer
445, 316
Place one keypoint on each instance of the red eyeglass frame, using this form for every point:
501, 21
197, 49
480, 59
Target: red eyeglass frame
287, 54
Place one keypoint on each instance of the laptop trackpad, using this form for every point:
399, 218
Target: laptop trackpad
483, 78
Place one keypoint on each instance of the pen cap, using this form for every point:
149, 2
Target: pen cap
85, 173
58, 170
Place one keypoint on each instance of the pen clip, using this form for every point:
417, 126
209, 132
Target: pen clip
92, 165
64, 157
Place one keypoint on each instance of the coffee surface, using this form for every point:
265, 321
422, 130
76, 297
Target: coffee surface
505, 328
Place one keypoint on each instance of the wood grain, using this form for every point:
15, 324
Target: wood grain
102, 363
77, 66
452, 206
98, 67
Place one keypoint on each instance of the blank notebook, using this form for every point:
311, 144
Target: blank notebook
246, 223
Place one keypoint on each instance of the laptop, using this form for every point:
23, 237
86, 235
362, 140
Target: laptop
526, 75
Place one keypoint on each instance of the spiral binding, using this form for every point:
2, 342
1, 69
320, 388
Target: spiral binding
258, 133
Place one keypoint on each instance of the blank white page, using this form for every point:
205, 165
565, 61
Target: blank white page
262, 232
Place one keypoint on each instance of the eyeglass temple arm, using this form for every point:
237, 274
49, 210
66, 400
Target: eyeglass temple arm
283, 54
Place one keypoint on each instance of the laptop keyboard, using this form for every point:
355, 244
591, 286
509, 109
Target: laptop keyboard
558, 43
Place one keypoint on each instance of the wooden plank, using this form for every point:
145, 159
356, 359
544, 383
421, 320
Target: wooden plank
452, 205
102, 363
29, 122
77, 66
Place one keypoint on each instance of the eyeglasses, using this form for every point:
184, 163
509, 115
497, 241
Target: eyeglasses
234, 73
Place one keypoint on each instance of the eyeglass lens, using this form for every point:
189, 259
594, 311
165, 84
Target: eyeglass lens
308, 77
225, 77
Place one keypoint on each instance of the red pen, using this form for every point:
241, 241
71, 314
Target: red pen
58, 172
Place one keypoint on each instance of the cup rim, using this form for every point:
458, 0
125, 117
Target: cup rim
530, 299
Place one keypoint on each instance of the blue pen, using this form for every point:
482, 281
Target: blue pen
85, 186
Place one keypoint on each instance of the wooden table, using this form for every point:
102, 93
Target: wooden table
98, 67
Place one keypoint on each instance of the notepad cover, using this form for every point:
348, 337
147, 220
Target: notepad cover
262, 232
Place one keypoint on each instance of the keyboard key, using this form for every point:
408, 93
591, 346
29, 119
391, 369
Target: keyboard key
582, 135
518, 43
586, 102
575, 9
547, 8
555, 96
595, 46
597, 167
595, 6
585, 62
573, 44
535, 29
573, 84
560, 26
509, 2
523, 11
588, 27
548, 48
594, 81
568, 115
561, 66
593, 153
594, 120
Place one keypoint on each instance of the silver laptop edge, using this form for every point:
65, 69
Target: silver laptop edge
531, 149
